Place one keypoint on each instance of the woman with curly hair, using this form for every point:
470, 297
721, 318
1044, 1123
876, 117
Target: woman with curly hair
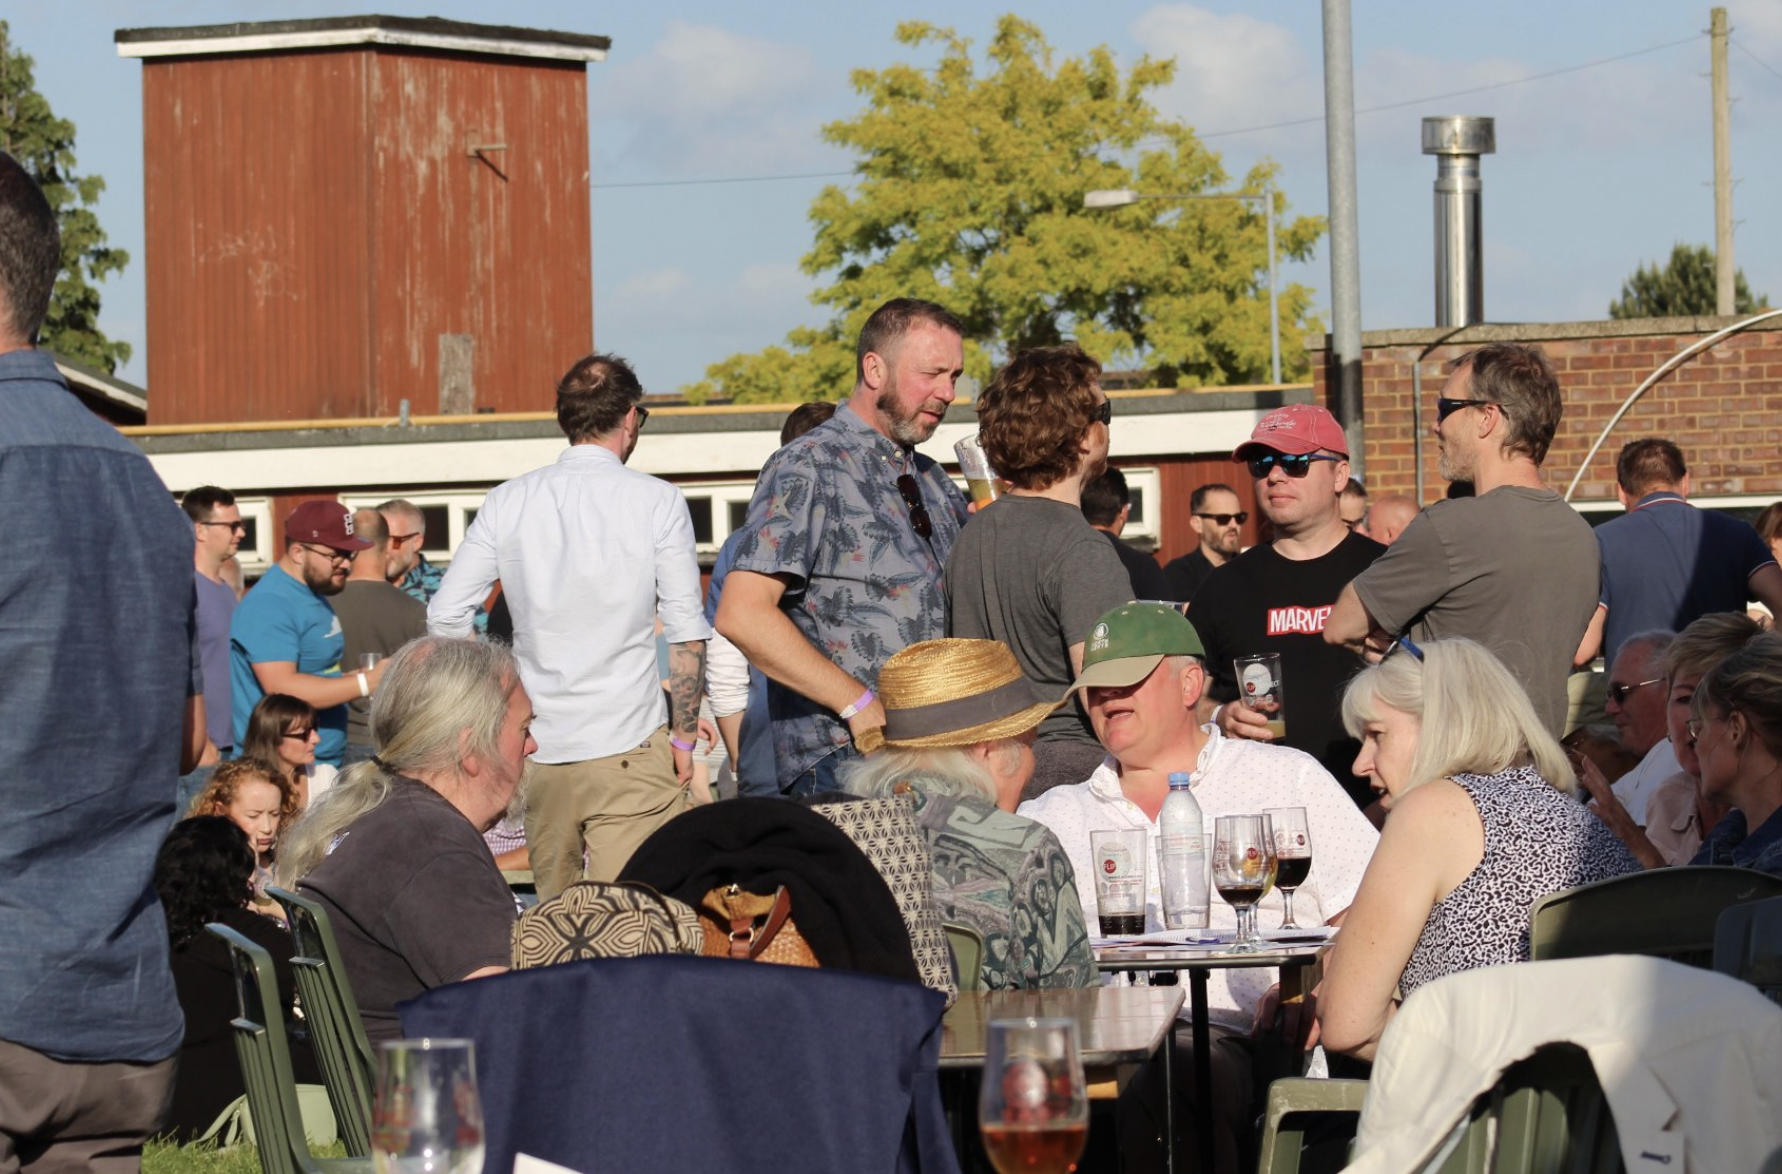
201, 874
281, 732
259, 802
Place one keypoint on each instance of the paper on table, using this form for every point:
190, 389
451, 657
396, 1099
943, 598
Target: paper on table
1163, 937
527, 1164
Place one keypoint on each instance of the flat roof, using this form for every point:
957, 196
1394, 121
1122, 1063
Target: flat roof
420, 32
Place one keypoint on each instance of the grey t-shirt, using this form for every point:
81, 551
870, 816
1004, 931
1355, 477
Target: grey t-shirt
1515, 569
374, 617
1032, 573
415, 900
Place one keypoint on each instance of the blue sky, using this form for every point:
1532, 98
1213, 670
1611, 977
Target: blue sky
1599, 167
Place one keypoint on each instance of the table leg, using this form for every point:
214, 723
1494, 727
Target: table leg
1169, 1102
1203, 1069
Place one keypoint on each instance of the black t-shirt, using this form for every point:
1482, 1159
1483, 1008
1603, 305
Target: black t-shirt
1147, 577
1186, 574
1261, 602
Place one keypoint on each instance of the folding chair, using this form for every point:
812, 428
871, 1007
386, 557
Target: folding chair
1664, 913
266, 1067
1748, 945
338, 1034
967, 945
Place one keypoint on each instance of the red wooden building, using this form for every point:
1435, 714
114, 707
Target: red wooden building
348, 213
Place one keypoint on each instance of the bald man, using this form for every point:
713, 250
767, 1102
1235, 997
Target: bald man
1389, 516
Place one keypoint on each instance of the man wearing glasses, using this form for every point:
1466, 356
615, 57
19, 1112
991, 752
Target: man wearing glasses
1029, 570
285, 638
1217, 519
1275, 597
217, 529
840, 564
1514, 567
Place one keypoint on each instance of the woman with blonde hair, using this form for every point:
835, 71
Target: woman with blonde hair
1483, 821
1737, 728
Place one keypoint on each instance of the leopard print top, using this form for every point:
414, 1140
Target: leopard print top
1538, 840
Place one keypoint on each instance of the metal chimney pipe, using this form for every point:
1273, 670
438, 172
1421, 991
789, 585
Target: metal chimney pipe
1457, 141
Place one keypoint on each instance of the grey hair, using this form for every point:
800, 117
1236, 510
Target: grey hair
442, 701
1475, 717
945, 770
1656, 642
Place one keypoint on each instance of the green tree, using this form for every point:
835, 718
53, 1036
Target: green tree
44, 145
970, 193
1683, 288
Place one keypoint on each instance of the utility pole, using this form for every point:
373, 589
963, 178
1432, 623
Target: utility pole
1345, 233
1723, 216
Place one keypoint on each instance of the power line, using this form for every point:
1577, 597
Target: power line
1219, 134
1739, 45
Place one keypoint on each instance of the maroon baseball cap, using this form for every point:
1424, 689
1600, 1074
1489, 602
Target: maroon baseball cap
1293, 430
326, 523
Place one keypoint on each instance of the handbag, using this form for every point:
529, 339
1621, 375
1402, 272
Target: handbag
597, 919
754, 926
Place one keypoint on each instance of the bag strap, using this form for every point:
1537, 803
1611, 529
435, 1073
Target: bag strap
749, 935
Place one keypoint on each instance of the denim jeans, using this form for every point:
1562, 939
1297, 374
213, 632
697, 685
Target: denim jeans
822, 774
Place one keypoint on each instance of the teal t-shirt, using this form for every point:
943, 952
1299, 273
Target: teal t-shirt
283, 620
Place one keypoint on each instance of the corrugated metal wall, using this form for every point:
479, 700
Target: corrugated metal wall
320, 239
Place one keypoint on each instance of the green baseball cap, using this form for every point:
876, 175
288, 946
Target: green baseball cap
1126, 643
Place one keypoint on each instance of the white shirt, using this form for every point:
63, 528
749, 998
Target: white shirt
588, 553
1636, 786
1234, 776
726, 676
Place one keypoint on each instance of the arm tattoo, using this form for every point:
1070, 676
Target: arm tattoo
686, 686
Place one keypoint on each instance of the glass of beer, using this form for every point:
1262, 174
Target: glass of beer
1260, 688
1033, 1109
1121, 881
1243, 870
1293, 856
974, 466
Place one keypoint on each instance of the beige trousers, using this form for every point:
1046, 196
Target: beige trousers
603, 806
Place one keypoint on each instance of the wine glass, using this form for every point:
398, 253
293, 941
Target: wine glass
1293, 855
1243, 870
1033, 1110
428, 1118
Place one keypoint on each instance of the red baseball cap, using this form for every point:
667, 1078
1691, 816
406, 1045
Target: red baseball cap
326, 523
1293, 430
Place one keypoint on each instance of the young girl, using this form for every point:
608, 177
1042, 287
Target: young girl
259, 802
281, 732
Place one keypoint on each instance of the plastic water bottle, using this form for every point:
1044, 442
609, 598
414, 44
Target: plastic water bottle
1183, 847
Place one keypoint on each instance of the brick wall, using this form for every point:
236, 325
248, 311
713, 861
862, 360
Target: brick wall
1723, 406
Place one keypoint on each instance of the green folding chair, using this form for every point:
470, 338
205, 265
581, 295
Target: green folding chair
1748, 945
265, 1058
338, 1034
967, 945
1664, 912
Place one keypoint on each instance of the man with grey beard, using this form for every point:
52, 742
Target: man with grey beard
840, 561
396, 853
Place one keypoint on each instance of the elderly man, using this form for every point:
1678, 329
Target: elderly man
1142, 679
396, 855
1030, 571
846, 538
1637, 699
959, 731
1513, 567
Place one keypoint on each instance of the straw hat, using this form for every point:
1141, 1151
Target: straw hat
957, 693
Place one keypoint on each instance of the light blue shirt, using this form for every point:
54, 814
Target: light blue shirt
283, 620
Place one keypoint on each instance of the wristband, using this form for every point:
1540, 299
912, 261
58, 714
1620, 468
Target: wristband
1217, 710
680, 745
364, 685
860, 703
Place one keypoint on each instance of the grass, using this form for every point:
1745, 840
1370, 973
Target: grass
163, 1157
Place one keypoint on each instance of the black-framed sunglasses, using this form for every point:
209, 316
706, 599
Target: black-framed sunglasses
299, 735
1292, 464
1446, 407
1104, 412
241, 526
912, 497
643, 416
1240, 518
1618, 693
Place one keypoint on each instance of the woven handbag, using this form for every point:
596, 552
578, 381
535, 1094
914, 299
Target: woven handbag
741, 924
596, 919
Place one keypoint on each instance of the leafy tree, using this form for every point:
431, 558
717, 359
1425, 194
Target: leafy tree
1684, 287
970, 193
44, 145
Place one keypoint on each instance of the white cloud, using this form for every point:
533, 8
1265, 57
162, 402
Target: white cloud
708, 101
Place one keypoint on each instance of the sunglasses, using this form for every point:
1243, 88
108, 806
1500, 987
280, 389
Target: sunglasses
1447, 407
1240, 518
643, 416
912, 498
299, 735
241, 526
1104, 412
1295, 465
1411, 649
1618, 693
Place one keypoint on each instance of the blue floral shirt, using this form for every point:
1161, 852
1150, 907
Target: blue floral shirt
827, 511
422, 583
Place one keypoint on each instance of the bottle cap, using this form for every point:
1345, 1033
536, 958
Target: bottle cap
1179, 778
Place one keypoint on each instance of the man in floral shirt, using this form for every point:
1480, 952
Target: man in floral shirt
840, 561
407, 568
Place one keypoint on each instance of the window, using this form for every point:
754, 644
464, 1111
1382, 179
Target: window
447, 515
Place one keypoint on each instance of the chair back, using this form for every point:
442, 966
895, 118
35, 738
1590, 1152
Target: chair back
1545, 1115
1748, 945
342, 1048
265, 1058
967, 945
690, 1063
1664, 913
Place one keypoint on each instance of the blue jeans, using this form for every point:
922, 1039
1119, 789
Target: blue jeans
822, 774
189, 787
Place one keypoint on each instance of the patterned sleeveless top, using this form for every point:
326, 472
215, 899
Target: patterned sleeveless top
1538, 840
